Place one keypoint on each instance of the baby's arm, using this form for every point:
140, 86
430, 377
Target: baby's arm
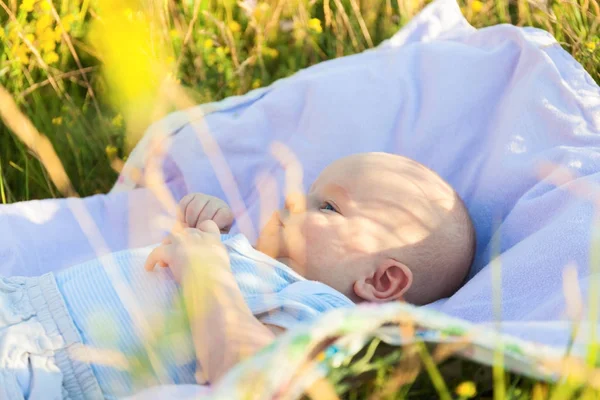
224, 330
196, 208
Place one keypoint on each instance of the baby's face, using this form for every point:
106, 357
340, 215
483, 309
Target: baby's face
357, 206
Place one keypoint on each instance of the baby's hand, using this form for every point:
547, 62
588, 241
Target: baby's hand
190, 248
196, 208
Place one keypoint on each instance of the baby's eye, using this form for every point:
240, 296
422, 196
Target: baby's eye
327, 206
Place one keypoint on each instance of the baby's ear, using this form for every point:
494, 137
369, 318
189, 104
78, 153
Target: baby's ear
390, 281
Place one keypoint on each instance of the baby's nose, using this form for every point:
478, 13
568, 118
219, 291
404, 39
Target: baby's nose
295, 203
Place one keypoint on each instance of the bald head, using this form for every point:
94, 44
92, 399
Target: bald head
424, 222
441, 261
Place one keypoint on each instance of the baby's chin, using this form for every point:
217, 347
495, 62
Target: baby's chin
270, 238
293, 265
270, 241
268, 244
273, 245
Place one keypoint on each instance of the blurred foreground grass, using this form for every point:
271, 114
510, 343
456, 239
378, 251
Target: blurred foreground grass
51, 53
50, 58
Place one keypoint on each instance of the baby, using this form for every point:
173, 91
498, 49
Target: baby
374, 227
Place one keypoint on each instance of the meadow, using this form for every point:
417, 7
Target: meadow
84, 76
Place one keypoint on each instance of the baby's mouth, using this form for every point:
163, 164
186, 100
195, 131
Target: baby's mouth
278, 220
271, 236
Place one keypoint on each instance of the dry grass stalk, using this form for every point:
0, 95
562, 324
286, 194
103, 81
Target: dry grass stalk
348, 25
406, 372
39, 144
61, 76
188, 33
361, 22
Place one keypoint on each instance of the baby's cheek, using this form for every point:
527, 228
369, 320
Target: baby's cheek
362, 236
317, 239
324, 239
314, 228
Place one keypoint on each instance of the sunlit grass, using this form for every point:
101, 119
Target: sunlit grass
461, 378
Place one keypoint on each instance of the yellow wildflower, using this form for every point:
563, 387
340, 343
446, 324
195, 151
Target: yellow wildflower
128, 13
42, 23
57, 33
27, 5
22, 54
57, 121
260, 11
211, 59
2, 33
466, 389
208, 43
314, 24
48, 45
117, 121
220, 51
476, 6
13, 32
111, 152
30, 37
46, 40
591, 45
170, 60
269, 52
67, 21
51, 57
256, 83
46, 6
234, 26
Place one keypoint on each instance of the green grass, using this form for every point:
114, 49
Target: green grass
374, 374
220, 50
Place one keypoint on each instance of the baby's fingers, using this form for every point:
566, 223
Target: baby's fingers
183, 206
195, 210
162, 255
170, 238
208, 211
210, 227
224, 219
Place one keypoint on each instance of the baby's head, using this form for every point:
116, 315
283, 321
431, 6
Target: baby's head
376, 227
